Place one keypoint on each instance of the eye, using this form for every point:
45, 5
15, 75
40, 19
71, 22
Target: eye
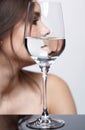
36, 18
34, 22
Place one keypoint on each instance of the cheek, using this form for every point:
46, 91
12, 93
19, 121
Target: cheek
18, 43
35, 32
18, 35
19, 47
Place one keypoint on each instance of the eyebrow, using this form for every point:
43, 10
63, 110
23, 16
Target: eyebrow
37, 14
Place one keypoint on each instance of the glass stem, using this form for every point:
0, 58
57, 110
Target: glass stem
44, 70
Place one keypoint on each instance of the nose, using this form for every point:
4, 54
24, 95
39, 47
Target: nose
44, 31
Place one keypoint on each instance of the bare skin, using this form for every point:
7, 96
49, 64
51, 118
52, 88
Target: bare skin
21, 91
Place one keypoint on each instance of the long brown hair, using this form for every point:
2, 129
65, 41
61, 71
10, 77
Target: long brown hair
11, 11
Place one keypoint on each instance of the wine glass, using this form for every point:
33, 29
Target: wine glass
44, 40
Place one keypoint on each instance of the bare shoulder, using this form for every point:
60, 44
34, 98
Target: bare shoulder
59, 96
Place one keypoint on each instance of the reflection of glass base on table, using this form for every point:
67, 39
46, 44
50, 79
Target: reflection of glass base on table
39, 123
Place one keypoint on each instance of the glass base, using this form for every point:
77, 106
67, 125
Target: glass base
44, 123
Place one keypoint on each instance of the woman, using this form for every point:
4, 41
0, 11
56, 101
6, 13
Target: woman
20, 90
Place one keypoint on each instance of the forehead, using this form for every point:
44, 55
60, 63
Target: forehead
36, 7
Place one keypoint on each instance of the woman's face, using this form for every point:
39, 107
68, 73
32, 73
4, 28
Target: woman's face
38, 29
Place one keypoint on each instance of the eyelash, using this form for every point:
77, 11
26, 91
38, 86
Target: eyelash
35, 21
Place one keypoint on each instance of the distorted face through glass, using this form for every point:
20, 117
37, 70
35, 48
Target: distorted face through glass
36, 28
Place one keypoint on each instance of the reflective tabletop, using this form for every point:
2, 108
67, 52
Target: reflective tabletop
72, 122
